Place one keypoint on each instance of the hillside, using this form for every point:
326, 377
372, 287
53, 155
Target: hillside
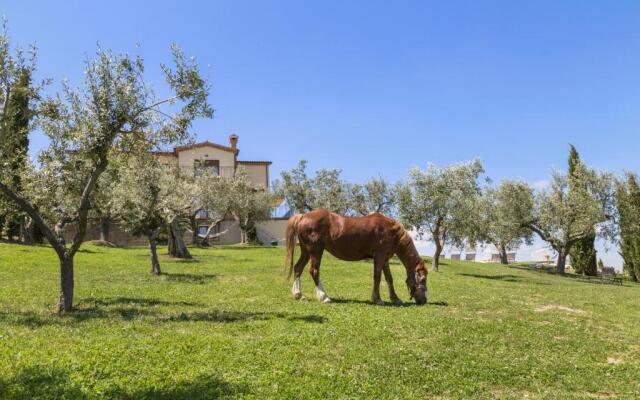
226, 326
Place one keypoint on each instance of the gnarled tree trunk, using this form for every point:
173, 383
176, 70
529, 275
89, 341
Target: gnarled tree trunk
504, 258
562, 261
105, 228
176, 246
153, 250
436, 254
194, 229
65, 304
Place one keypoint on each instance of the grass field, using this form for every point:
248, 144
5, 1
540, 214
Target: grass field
226, 326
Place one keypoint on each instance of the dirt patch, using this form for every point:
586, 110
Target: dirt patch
601, 395
550, 307
614, 360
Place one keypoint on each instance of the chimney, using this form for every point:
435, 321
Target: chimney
233, 141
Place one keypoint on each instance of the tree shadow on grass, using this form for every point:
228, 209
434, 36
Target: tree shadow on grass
127, 309
187, 277
239, 316
409, 303
502, 278
109, 301
43, 382
551, 270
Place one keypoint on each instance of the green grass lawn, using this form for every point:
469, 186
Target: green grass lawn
226, 326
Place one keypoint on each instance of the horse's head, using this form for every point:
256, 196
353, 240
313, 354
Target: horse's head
418, 285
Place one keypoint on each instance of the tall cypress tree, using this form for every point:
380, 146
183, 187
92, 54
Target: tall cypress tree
583, 252
628, 204
14, 144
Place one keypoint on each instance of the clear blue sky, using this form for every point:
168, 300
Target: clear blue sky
377, 87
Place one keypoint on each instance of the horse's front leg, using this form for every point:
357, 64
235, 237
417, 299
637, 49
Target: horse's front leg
377, 274
387, 277
316, 257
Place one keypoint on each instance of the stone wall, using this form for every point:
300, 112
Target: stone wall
267, 231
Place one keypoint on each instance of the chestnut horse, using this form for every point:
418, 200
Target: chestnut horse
352, 239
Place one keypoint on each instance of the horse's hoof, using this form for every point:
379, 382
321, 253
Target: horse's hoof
326, 300
378, 302
397, 302
298, 296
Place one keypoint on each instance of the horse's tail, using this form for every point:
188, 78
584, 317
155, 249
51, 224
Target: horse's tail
292, 231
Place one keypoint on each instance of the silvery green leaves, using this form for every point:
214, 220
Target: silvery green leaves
504, 212
444, 202
375, 195
325, 190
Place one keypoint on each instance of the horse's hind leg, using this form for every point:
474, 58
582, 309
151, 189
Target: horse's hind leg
297, 271
387, 277
316, 257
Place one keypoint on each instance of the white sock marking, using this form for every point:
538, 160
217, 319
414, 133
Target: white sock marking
321, 294
297, 293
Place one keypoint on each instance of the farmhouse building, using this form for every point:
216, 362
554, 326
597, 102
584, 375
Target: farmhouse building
219, 160
216, 159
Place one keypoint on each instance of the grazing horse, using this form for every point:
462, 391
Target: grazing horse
352, 239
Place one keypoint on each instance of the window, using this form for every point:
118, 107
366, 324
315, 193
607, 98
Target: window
202, 214
200, 167
202, 230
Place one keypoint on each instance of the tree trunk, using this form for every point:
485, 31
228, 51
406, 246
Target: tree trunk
243, 236
194, 230
504, 259
65, 303
23, 230
177, 247
562, 260
153, 249
436, 255
105, 228
29, 231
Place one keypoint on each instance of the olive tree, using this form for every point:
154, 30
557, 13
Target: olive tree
325, 190
375, 195
102, 200
114, 109
248, 205
147, 197
213, 197
503, 210
570, 208
18, 99
444, 202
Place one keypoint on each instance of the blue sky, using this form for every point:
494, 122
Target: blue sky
376, 87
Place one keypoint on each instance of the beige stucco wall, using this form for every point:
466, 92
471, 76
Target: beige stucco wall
257, 174
273, 229
186, 158
269, 230
167, 160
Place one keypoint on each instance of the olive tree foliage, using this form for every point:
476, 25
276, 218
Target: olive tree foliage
148, 197
444, 202
570, 208
102, 200
375, 195
248, 204
325, 190
213, 196
627, 225
18, 98
113, 110
503, 210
